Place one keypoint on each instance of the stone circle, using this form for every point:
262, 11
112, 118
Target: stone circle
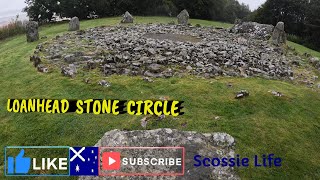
158, 50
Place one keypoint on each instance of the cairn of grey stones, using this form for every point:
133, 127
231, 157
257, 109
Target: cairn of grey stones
167, 51
183, 17
127, 18
74, 24
32, 31
279, 35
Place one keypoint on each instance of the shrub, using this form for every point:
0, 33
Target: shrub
13, 28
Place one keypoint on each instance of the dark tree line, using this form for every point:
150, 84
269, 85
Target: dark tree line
221, 10
301, 17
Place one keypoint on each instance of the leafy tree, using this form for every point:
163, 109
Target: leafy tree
233, 9
41, 10
301, 18
222, 10
79, 8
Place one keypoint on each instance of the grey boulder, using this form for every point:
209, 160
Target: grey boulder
74, 24
127, 18
183, 17
209, 145
32, 31
279, 35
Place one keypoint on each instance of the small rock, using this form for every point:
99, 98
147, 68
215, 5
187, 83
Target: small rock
70, 58
161, 117
151, 51
147, 79
164, 98
104, 83
189, 68
144, 122
87, 80
229, 85
242, 94
42, 68
315, 78
155, 68
199, 65
68, 71
277, 94
153, 75
168, 54
36, 60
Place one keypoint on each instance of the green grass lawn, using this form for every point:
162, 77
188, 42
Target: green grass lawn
287, 126
302, 49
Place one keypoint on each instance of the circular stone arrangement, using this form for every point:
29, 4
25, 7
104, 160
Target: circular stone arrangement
158, 50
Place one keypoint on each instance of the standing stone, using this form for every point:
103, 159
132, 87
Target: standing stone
127, 18
279, 35
237, 21
32, 31
74, 24
183, 17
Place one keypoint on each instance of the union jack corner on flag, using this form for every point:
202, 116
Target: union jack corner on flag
84, 161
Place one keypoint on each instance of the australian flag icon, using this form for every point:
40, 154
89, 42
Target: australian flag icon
84, 161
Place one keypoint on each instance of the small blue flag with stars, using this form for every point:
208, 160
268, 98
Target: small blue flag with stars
84, 161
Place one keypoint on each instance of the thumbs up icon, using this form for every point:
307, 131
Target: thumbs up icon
22, 165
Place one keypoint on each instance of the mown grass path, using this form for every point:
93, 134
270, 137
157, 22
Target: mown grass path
287, 126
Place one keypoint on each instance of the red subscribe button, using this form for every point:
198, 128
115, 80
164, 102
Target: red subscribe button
141, 161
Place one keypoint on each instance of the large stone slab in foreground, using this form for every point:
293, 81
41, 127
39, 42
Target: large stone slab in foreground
207, 145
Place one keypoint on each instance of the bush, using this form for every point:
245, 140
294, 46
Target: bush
221, 10
295, 39
13, 28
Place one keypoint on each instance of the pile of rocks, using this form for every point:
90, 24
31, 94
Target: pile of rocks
158, 50
217, 145
253, 29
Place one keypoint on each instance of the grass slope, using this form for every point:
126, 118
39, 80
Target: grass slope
302, 49
288, 126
